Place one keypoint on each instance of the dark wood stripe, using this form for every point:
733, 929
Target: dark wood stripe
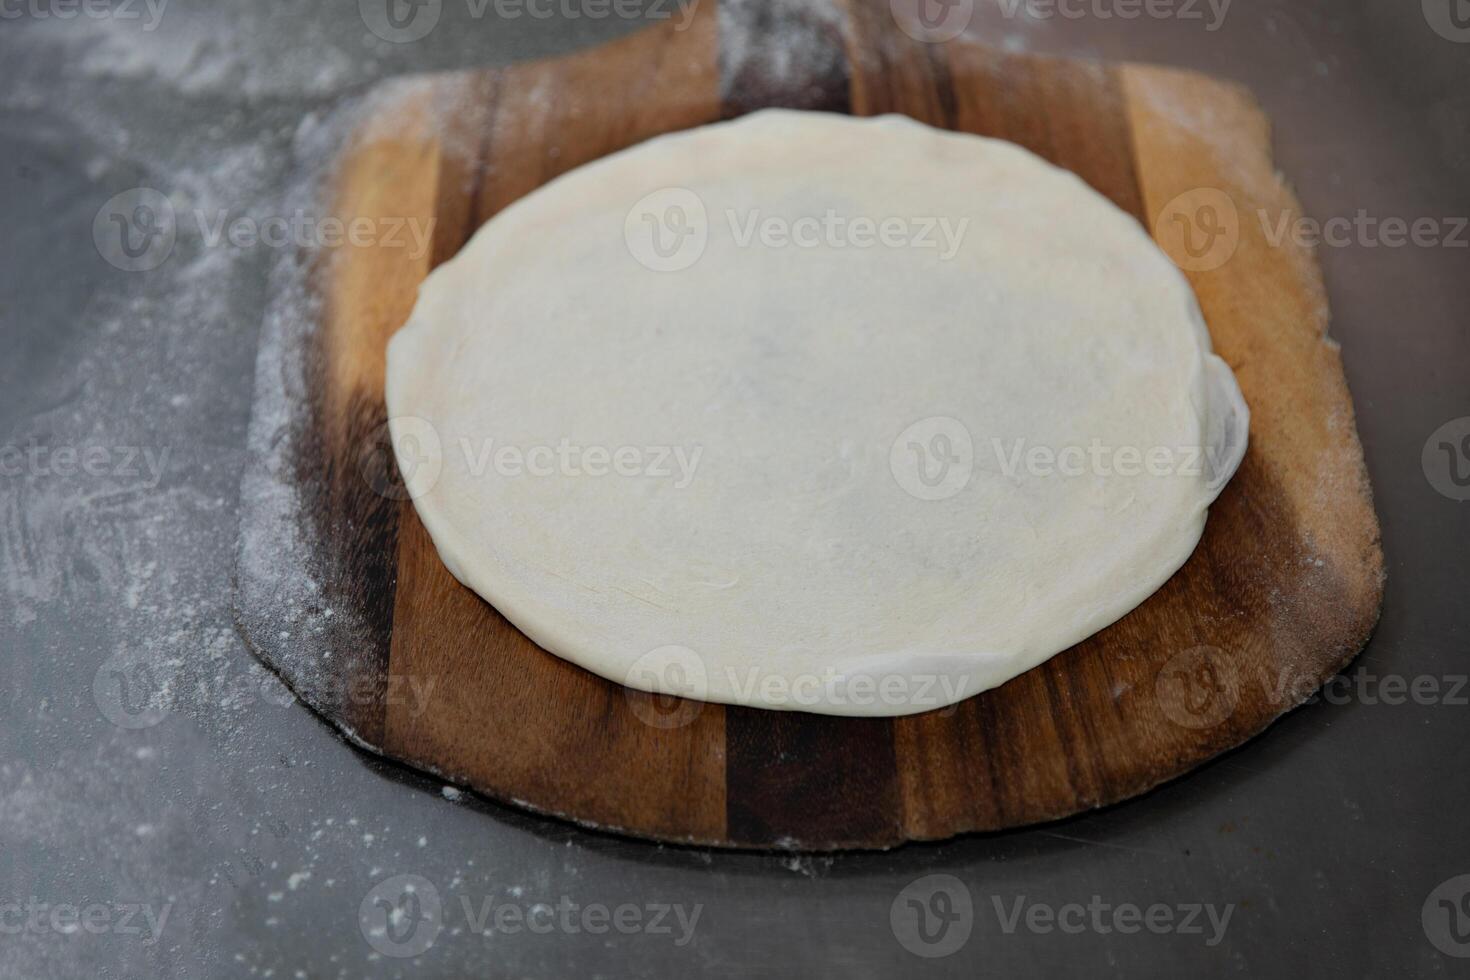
796, 777
347, 471
464, 162
892, 72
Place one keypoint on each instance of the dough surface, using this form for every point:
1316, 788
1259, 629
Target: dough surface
686, 421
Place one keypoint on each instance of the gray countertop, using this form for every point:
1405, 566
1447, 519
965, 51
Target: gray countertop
232, 834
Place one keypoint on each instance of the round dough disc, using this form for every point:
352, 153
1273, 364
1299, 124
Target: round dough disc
802, 411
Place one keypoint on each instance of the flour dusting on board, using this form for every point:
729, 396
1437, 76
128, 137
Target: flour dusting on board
313, 642
778, 41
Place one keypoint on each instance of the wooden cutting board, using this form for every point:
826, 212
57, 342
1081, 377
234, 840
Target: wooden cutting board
1282, 592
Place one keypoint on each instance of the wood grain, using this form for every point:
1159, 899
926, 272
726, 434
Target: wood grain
1283, 590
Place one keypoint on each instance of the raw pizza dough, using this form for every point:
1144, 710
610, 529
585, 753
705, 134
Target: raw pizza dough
802, 411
